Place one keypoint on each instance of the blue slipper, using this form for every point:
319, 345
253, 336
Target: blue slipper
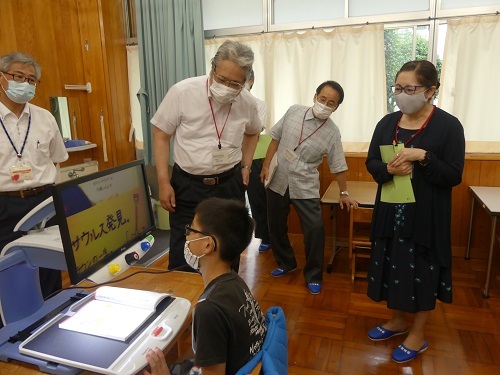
380, 333
263, 247
402, 354
278, 272
314, 288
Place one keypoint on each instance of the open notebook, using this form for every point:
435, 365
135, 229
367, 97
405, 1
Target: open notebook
114, 313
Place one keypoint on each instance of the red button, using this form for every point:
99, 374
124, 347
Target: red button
157, 331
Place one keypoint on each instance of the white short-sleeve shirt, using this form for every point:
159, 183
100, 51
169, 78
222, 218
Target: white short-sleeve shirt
44, 146
186, 114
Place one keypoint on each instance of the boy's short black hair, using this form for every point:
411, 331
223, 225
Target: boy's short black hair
229, 221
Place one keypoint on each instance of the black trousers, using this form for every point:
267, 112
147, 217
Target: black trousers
258, 202
13, 209
311, 222
189, 192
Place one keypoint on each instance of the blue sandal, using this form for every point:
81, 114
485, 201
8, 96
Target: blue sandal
380, 333
402, 354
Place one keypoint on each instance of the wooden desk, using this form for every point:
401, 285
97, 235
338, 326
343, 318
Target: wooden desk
182, 284
489, 198
362, 191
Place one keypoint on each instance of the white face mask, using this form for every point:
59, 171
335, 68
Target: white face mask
221, 93
409, 104
191, 259
321, 111
247, 86
19, 92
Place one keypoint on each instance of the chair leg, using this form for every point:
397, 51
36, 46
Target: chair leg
353, 267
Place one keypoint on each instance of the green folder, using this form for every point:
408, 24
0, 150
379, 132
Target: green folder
399, 189
262, 145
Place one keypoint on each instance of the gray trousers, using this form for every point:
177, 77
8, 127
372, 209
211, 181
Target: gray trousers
311, 222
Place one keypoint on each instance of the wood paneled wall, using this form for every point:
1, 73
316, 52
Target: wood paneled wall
480, 170
77, 41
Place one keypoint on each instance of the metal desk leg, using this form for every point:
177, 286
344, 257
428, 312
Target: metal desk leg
490, 257
334, 240
467, 253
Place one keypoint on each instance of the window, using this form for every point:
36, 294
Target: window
403, 45
380, 7
294, 11
456, 4
223, 14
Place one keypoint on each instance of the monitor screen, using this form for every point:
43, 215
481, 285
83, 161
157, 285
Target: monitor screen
101, 215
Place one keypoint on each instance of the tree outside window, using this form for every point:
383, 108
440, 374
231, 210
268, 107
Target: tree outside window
399, 49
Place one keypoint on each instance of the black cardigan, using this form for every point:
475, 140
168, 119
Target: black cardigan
428, 220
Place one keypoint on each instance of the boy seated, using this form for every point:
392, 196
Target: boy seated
228, 324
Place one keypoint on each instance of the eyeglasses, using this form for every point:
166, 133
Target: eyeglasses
329, 103
228, 83
189, 230
410, 89
20, 78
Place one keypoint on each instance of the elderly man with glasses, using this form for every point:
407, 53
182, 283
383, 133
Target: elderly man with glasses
30, 146
215, 126
300, 139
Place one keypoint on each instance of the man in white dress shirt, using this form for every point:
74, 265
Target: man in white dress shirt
215, 126
30, 146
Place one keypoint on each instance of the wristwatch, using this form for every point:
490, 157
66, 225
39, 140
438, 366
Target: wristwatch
427, 158
344, 193
247, 167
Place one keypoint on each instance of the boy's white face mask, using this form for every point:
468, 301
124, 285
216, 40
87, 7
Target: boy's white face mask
191, 259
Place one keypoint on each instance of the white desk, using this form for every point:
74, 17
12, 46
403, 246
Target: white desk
362, 191
489, 198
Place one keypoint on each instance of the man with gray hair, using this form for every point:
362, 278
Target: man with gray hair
30, 146
215, 127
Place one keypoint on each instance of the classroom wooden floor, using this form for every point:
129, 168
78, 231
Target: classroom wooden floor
327, 332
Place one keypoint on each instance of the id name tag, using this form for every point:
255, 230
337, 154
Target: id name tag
220, 156
21, 172
290, 155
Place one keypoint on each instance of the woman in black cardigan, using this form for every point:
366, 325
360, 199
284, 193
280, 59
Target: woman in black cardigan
411, 256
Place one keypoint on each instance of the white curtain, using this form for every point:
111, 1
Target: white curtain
470, 80
290, 66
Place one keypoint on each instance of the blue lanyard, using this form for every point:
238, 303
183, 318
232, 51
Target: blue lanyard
19, 154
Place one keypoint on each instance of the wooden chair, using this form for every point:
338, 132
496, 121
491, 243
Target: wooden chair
258, 369
359, 237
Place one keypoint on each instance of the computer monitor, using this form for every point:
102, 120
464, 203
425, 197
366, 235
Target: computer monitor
101, 215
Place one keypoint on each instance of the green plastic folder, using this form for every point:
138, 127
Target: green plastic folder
399, 189
262, 145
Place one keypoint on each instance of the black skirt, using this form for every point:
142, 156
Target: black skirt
405, 274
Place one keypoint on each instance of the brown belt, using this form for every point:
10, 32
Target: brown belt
25, 193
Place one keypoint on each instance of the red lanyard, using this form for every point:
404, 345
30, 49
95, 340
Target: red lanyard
395, 141
219, 135
302, 130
